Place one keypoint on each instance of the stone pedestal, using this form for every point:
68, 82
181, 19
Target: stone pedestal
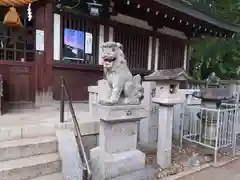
116, 157
164, 146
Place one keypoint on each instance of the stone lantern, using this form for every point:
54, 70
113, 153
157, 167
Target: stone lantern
168, 82
167, 95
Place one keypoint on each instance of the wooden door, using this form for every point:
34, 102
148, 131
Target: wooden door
21, 83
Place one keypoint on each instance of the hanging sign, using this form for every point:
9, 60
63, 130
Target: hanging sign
39, 40
88, 43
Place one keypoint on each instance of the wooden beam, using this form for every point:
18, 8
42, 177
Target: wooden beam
158, 15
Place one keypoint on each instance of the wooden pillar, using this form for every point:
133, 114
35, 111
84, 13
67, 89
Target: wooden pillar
189, 56
39, 57
106, 32
48, 41
150, 44
44, 59
111, 34
100, 41
185, 58
153, 51
156, 54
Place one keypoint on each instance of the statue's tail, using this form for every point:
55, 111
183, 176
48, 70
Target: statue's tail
137, 80
138, 85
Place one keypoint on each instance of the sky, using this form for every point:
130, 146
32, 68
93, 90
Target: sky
74, 38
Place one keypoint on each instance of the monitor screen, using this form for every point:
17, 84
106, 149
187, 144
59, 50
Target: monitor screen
74, 41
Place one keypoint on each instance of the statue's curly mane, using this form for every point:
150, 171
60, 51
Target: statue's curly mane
114, 50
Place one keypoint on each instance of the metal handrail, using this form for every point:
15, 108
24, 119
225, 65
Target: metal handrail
87, 174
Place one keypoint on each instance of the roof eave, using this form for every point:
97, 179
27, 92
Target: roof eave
199, 15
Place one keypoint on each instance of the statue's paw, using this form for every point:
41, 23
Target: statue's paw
107, 102
131, 101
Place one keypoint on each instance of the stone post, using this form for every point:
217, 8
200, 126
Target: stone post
92, 97
96, 93
164, 146
167, 95
103, 89
149, 125
116, 157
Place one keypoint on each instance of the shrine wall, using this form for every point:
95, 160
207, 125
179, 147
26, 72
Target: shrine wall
142, 48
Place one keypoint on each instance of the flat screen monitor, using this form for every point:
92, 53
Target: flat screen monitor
74, 44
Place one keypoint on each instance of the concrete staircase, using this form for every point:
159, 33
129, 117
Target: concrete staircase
33, 158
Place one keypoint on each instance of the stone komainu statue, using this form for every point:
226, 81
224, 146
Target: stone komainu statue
124, 88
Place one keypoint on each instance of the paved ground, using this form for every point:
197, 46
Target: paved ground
44, 114
230, 171
51, 114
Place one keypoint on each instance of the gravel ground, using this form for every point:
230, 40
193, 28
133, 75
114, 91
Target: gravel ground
184, 159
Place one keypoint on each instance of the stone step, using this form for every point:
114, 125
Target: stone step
20, 148
31, 167
55, 176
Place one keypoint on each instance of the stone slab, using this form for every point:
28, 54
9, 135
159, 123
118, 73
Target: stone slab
21, 148
106, 166
88, 125
31, 167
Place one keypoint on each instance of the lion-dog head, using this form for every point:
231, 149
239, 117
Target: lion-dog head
112, 55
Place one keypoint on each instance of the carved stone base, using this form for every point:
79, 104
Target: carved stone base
108, 166
117, 157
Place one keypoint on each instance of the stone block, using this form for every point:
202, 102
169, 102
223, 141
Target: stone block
118, 137
107, 166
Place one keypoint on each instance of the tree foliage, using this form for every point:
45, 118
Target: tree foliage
220, 55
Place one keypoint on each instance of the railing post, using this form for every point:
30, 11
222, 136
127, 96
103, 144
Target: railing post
85, 174
62, 101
